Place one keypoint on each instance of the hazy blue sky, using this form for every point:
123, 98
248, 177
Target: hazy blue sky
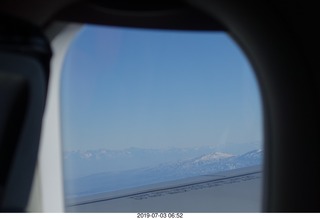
140, 88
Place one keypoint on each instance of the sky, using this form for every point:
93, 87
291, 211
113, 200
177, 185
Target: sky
125, 88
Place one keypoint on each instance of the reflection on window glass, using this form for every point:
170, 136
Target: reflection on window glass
148, 106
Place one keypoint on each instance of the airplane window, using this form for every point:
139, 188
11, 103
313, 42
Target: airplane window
149, 109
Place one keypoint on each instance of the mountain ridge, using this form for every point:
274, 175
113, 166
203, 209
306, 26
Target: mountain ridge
206, 164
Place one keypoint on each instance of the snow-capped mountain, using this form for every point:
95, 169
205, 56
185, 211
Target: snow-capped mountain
213, 157
206, 164
209, 164
79, 163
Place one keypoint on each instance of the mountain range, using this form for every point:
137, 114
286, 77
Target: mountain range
167, 170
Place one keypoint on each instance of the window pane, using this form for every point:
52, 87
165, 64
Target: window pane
141, 107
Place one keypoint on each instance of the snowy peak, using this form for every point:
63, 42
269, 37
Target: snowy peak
216, 156
256, 154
